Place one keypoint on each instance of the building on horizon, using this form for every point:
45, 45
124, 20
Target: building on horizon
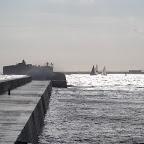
43, 72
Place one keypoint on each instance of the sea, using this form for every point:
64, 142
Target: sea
96, 110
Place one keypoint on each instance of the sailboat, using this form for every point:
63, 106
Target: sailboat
104, 71
96, 69
93, 72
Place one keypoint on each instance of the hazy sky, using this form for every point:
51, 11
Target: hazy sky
73, 34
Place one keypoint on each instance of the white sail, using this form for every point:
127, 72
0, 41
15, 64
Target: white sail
104, 71
96, 69
93, 72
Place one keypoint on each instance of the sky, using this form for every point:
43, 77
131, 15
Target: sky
73, 34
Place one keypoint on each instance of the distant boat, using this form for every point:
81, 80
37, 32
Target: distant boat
104, 71
93, 71
96, 69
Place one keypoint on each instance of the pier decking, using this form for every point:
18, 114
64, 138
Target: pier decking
22, 112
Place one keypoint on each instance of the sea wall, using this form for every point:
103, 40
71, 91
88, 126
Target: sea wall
34, 125
13, 83
59, 80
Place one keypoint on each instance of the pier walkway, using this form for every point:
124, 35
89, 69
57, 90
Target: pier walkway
22, 112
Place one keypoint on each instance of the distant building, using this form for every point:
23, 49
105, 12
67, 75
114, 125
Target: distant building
135, 71
37, 72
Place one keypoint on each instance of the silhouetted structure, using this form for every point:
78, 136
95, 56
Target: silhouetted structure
135, 71
37, 72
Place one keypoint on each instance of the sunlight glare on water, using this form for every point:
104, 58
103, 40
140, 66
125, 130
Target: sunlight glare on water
109, 82
96, 109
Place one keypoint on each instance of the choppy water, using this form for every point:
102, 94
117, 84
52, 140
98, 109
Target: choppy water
96, 109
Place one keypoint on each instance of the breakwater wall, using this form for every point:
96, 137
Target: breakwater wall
34, 125
13, 83
22, 112
59, 80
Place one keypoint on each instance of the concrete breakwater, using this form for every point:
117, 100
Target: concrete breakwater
59, 80
22, 113
13, 83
